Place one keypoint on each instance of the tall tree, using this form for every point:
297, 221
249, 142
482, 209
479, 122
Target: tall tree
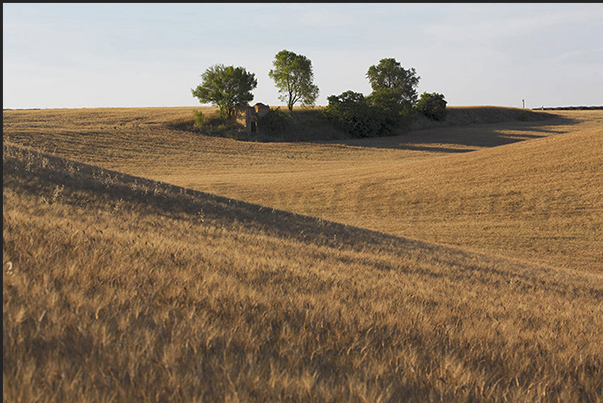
389, 79
226, 87
294, 78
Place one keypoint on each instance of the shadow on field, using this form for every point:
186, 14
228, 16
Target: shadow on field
91, 188
465, 138
44, 175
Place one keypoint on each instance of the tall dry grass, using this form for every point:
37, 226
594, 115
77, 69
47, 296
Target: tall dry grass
117, 288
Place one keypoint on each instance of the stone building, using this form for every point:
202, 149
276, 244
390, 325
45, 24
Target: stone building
248, 116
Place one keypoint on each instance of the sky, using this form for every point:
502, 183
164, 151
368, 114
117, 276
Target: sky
88, 55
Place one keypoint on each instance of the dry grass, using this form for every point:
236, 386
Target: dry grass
528, 189
118, 288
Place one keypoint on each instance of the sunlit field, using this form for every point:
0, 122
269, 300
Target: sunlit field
527, 189
143, 261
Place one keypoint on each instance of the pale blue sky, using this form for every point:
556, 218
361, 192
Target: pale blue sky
124, 55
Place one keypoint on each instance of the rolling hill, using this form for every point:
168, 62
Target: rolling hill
118, 287
529, 189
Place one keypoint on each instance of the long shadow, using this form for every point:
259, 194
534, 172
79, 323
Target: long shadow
464, 138
435, 149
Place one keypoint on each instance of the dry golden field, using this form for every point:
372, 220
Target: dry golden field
482, 281
526, 189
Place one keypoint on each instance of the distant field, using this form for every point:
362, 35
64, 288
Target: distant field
119, 288
524, 187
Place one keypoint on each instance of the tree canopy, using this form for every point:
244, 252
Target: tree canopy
226, 87
294, 78
432, 105
389, 80
355, 114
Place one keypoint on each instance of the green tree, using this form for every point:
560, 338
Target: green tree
226, 87
294, 78
389, 80
387, 105
352, 112
432, 105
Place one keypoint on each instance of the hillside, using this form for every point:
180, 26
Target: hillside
540, 199
122, 288
529, 189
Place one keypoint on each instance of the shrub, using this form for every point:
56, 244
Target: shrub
432, 105
394, 112
352, 112
218, 125
199, 118
274, 122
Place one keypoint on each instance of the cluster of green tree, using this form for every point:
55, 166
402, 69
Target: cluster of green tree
393, 102
228, 87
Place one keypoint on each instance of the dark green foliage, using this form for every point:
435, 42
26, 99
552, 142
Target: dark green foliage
275, 122
379, 114
394, 114
352, 112
390, 105
395, 81
226, 87
385, 102
432, 105
199, 118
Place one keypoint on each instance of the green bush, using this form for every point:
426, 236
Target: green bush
395, 113
352, 112
379, 114
432, 105
275, 122
199, 118
218, 125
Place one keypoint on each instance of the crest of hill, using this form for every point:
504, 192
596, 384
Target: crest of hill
467, 115
308, 124
39, 128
